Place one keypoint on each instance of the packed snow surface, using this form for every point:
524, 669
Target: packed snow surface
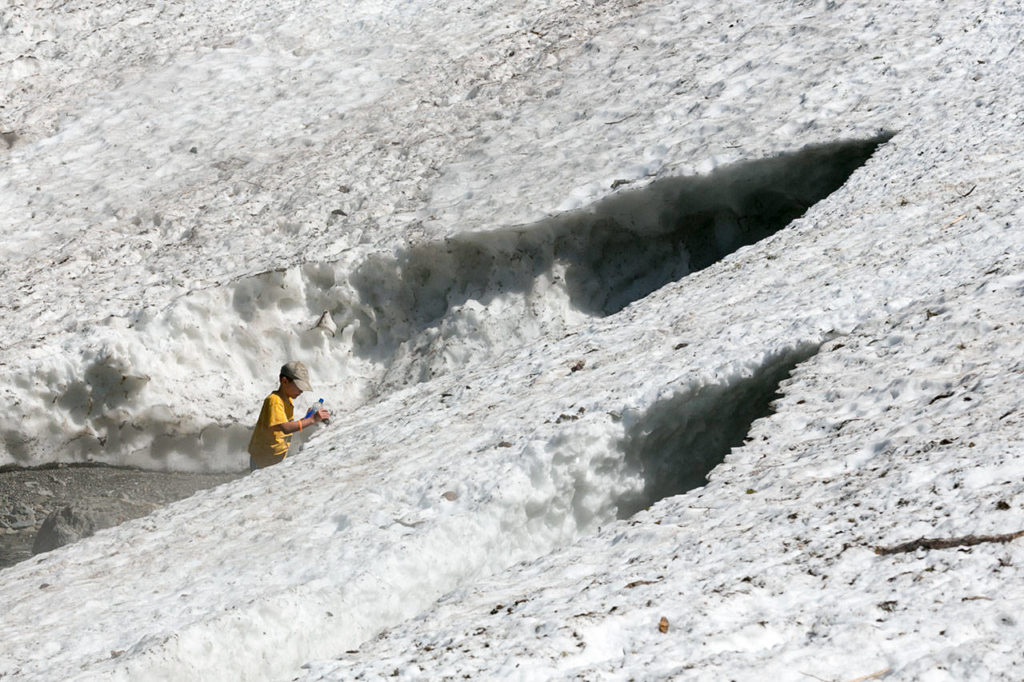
662, 339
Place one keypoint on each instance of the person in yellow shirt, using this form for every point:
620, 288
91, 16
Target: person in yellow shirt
274, 429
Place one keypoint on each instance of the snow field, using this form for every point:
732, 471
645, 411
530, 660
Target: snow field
385, 523
774, 558
401, 164
387, 321
488, 482
373, 537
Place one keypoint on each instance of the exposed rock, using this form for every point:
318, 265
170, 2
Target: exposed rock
20, 516
28, 496
69, 525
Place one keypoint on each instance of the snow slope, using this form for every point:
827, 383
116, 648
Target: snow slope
474, 223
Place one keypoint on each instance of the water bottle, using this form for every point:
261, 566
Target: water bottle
316, 406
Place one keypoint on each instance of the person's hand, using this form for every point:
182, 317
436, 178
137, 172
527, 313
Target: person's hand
321, 415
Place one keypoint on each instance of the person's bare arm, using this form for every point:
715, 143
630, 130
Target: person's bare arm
299, 424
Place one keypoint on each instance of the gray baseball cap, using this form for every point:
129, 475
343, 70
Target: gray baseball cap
298, 373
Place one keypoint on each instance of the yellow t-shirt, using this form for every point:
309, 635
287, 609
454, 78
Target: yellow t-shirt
267, 446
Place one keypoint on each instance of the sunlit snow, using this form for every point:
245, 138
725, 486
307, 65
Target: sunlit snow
650, 331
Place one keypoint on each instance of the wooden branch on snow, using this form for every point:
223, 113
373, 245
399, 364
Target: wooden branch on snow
946, 543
